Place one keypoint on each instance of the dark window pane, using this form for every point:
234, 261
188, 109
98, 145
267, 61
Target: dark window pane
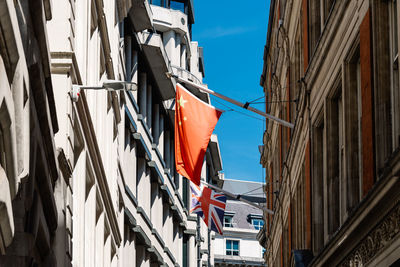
157, 2
178, 6
235, 245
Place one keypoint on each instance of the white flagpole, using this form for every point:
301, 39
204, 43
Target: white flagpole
233, 101
238, 197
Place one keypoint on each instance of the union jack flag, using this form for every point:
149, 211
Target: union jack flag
209, 205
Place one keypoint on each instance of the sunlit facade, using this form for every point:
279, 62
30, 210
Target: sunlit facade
93, 182
331, 68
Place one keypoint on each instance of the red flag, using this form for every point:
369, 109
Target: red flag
194, 123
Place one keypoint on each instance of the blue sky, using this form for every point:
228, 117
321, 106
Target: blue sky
233, 35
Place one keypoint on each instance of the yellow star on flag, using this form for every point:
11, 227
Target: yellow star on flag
182, 102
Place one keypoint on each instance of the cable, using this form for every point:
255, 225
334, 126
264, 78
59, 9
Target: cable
252, 190
231, 109
256, 99
282, 101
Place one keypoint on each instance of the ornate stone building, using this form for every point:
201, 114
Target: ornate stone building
93, 182
28, 121
331, 68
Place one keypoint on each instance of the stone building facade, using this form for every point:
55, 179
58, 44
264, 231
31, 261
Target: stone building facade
93, 182
331, 68
28, 122
238, 246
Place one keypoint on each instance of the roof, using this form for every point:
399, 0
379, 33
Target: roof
252, 191
243, 212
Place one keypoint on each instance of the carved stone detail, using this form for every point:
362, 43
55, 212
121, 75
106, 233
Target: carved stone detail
372, 244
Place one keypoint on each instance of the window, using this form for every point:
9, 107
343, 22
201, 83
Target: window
158, 2
232, 247
228, 221
334, 157
257, 223
314, 24
317, 187
177, 5
353, 149
394, 56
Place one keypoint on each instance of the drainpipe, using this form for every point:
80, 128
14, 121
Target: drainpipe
209, 248
198, 240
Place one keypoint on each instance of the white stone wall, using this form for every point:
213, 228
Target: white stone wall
248, 246
125, 207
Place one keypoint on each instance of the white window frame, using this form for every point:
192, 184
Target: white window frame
232, 250
231, 221
257, 225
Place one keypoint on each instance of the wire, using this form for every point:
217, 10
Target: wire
282, 101
252, 190
231, 109
256, 99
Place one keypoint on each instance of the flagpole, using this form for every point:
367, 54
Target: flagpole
238, 197
233, 101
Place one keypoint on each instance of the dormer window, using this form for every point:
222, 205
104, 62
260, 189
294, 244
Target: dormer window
257, 221
228, 219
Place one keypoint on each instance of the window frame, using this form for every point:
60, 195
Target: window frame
394, 71
230, 225
260, 223
232, 250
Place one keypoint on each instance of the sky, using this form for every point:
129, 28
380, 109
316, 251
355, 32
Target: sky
233, 35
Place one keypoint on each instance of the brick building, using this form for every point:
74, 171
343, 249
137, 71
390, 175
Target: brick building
331, 68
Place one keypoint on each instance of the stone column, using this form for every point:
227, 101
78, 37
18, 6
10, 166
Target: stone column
172, 157
149, 106
107, 251
153, 204
156, 123
169, 43
90, 220
99, 241
134, 70
161, 136
183, 56
141, 179
128, 57
192, 259
142, 94
167, 149
177, 58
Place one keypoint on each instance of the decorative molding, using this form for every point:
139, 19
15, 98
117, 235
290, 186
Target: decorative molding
376, 241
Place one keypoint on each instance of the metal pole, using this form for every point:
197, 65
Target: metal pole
198, 239
237, 103
209, 248
238, 197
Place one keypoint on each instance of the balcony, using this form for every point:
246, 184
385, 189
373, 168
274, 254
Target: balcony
141, 15
187, 75
157, 58
185, 6
168, 19
213, 149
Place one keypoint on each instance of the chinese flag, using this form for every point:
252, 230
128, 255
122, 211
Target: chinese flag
194, 123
